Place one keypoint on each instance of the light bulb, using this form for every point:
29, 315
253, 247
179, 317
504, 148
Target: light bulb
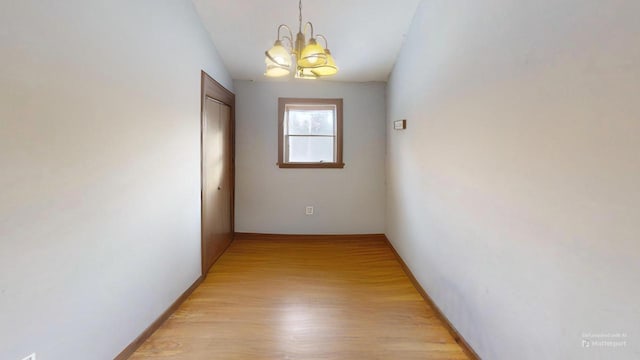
312, 55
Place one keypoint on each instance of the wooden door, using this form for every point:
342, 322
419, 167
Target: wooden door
217, 180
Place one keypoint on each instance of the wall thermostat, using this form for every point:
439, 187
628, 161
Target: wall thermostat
400, 124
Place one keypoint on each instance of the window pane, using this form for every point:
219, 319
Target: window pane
311, 122
310, 149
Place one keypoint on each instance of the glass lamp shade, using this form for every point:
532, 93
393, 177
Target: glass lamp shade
305, 73
278, 60
312, 55
276, 71
328, 69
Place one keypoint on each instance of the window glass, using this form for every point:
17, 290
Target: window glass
311, 122
311, 149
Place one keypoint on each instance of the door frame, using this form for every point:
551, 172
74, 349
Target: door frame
213, 89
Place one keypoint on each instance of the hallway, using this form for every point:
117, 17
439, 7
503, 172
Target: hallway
281, 297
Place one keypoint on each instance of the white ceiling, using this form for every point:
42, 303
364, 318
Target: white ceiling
364, 36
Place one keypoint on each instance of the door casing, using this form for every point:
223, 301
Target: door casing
213, 89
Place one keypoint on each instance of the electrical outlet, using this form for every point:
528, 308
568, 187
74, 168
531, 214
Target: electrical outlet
30, 357
309, 210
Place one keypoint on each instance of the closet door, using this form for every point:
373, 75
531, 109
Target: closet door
217, 180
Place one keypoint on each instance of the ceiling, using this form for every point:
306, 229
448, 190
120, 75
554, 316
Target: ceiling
364, 36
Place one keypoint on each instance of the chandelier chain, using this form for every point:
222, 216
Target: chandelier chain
300, 16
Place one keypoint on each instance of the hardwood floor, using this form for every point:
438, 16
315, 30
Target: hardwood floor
287, 298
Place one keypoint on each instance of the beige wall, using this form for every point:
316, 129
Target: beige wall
273, 200
513, 195
99, 170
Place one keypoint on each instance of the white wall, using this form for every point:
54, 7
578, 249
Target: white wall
514, 193
273, 200
99, 170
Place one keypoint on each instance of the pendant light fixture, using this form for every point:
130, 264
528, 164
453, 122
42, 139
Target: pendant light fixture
311, 59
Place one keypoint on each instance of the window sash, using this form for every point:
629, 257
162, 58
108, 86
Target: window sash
287, 152
290, 108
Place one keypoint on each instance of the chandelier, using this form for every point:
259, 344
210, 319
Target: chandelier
312, 60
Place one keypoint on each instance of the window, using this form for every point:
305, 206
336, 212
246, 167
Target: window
310, 133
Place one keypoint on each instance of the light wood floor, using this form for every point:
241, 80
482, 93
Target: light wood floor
282, 298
